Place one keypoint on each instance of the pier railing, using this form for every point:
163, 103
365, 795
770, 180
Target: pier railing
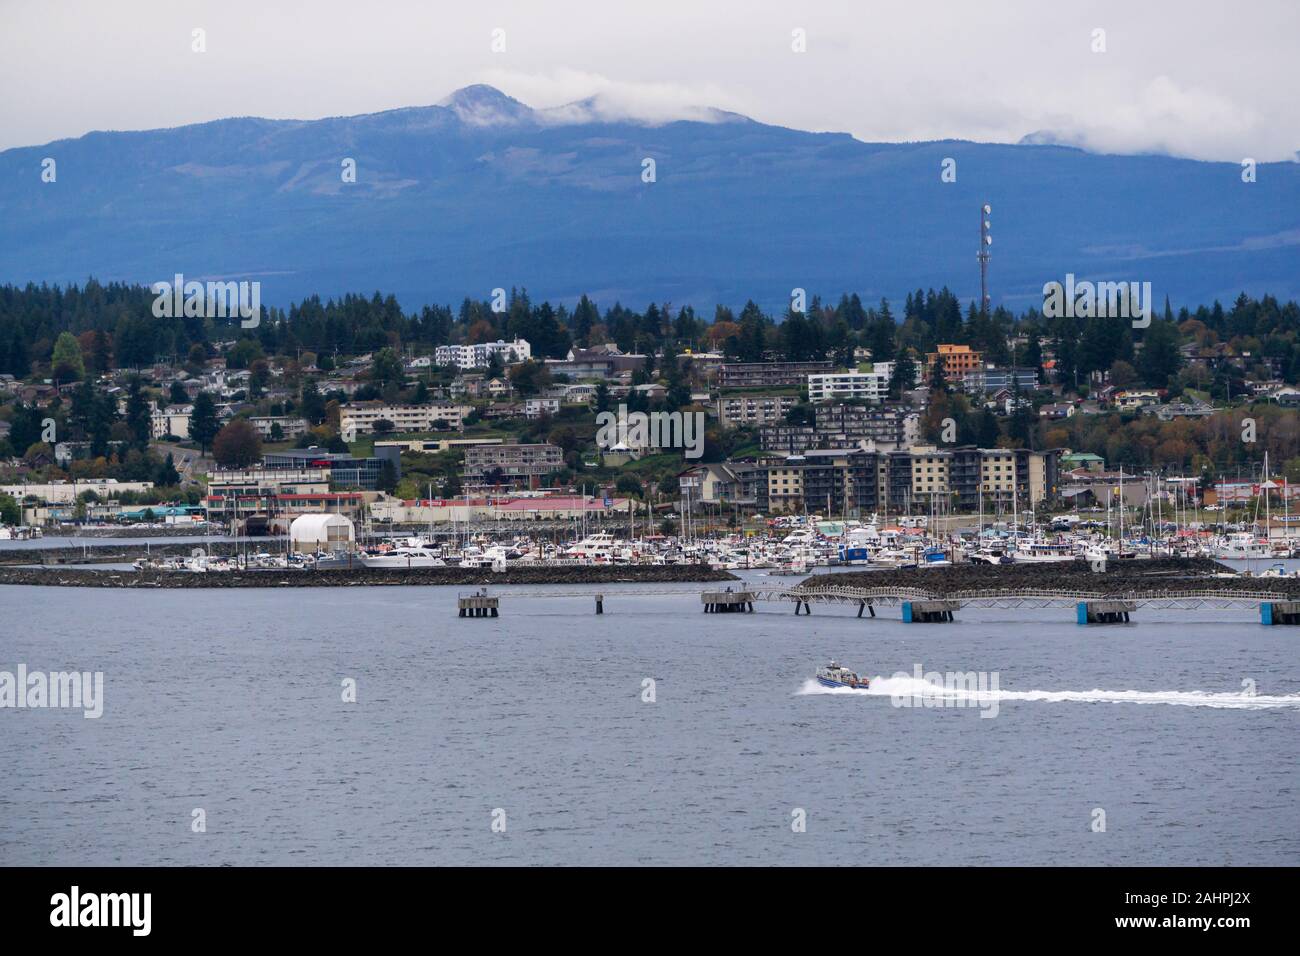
893, 596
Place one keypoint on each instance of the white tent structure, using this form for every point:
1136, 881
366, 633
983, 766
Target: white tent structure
322, 532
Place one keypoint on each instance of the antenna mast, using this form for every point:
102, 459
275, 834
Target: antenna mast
986, 240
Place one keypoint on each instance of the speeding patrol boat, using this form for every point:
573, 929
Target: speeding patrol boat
833, 675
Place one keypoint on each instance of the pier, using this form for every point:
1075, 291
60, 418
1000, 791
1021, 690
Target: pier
727, 602
923, 606
478, 605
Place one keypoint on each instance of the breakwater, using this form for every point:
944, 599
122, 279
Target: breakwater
1121, 578
365, 577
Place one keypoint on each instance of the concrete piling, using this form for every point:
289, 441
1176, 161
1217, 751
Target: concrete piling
928, 612
1279, 612
478, 605
727, 602
1104, 612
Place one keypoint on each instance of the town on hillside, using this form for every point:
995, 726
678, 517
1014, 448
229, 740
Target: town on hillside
922, 416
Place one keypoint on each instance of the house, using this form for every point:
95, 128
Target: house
1084, 460
535, 408
1136, 398
583, 392
1167, 413
651, 392
1057, 410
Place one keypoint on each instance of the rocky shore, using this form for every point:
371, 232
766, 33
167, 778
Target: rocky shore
593, 575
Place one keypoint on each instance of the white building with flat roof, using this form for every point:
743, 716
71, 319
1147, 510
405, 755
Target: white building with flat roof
480, 354
872, 386
403, 418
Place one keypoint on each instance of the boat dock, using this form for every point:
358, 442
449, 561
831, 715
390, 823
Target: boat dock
922, 606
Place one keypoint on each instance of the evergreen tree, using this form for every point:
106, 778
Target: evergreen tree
203, 421
138, 413
903, 377
168, 476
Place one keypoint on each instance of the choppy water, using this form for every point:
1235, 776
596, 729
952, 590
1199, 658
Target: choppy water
230, 701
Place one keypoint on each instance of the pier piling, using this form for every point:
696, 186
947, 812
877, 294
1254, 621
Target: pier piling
478, 605
1104, 612
1279, 612
928, 612
727, 602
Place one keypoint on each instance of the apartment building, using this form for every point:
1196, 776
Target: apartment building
987, 380
870, 386
172, 420
511, 464
290, 427
480, 354
403, 418
768, 374
958, 360
785, 486
845, 426
749, 410
870, 479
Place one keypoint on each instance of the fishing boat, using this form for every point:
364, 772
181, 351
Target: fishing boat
1242, 546
833, 675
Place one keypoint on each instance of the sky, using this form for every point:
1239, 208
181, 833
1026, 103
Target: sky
1203, 79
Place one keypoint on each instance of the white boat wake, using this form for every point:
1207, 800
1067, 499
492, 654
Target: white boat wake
913, 688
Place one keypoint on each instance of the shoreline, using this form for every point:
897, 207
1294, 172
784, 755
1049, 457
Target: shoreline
365, 577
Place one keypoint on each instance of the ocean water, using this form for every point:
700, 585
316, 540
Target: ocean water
230, 702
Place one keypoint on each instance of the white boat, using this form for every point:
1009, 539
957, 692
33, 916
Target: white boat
402, 558
833, 675
1041, 552
1242, 546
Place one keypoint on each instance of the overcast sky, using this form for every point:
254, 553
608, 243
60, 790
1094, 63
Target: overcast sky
1209, 80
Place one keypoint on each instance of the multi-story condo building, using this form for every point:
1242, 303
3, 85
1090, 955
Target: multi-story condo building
845, 426
876, 478
957, 361
870, 386
404, 418
480, 354
789, 439
842, 425
768, 374
511, 464
172, 420
986, 380
290, 427
785, 485
750, 409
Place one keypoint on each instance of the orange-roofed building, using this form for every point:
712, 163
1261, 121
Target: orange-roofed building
957, 361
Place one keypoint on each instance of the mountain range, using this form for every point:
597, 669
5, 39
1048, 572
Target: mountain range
481, 191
